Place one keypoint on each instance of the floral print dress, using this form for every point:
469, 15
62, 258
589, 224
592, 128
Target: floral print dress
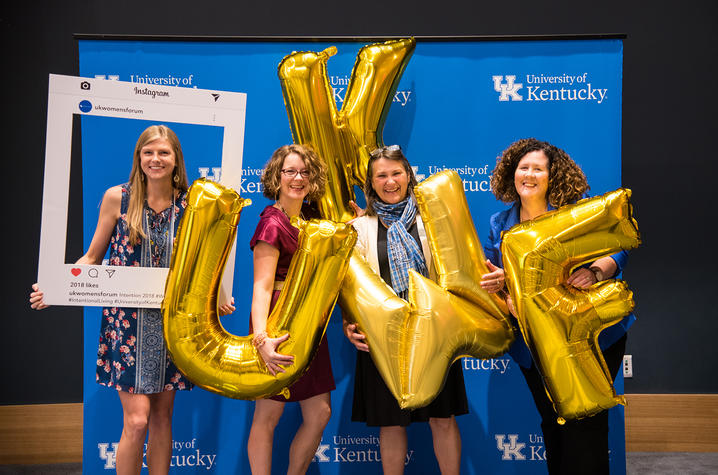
132, 355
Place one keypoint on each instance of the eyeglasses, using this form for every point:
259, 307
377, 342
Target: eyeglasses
292, 173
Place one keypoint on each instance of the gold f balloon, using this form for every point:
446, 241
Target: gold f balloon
559, 323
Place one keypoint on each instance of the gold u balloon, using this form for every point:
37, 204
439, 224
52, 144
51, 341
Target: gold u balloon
211, 357
343, 138
414, 343
560, 323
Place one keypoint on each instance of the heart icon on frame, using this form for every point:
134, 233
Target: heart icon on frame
75, 271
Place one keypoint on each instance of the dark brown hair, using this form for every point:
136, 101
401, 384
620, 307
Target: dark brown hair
566, 181
392, 152
272, 174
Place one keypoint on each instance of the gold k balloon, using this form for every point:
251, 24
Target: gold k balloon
343, 138
412, 343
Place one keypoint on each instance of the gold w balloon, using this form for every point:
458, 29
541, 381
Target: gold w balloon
414, 343
200, 347
560, 323
343, 138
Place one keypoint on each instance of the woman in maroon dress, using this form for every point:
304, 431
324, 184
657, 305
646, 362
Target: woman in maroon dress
292, 175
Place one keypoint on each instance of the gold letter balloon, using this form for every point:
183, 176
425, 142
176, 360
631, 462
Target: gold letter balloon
343, 138
559, 322
211, 357
414, 343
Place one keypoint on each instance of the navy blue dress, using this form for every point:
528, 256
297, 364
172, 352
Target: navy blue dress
132, 354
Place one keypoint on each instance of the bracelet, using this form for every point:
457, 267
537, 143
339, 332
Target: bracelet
597, 273
259, 339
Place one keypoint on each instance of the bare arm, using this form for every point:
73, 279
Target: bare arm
265, 266
109, 213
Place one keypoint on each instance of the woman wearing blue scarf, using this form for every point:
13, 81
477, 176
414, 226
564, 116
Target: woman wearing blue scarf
391, 237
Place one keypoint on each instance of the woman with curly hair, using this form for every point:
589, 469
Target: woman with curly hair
536, 177
292, 175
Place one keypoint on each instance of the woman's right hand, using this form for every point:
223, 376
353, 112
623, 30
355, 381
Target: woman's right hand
355, 336
494, 280
358, 212
36, 298
275, 361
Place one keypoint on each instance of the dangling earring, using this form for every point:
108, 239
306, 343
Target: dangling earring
176, 178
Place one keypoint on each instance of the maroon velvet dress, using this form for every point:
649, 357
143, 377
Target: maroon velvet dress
275, 229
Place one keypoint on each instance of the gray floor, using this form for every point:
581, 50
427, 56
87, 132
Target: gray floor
637, 463
672, 463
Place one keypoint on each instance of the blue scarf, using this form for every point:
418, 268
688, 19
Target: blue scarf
403, 251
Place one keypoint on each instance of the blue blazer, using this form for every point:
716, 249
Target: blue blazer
505, 220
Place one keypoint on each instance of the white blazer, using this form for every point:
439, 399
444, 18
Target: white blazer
366, 228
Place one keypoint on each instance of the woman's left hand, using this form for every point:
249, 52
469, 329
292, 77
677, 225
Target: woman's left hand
582, 278
227, 308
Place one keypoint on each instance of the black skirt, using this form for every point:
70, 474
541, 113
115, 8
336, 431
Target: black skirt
375, 405
373, 402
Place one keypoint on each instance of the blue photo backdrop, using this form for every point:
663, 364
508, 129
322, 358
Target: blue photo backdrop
458, 105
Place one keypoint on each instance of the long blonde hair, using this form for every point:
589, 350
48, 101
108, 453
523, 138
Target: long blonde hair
138, 181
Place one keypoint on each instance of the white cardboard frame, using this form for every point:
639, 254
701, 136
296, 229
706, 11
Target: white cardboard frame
110, 286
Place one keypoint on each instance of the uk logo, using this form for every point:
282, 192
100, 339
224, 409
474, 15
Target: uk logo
215, 176
512, 449
108, 455
321, 454
507, 89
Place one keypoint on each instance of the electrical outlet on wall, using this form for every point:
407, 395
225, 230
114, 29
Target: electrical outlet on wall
628, 366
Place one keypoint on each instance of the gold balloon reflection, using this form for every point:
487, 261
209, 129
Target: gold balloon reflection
560, 323
201, 348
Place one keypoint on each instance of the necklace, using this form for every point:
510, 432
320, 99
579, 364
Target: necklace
147, 241
281, 208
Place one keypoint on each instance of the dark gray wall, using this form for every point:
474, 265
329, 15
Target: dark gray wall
668, 135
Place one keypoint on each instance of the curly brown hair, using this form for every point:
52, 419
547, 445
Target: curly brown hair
566, 181
272, 174
392, 152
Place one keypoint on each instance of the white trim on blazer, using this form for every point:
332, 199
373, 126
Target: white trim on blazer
367, 229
